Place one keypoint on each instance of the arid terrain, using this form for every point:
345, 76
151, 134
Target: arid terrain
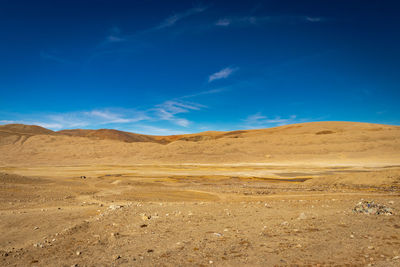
282, 196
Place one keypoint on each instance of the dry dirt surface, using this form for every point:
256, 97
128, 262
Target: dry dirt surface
153, 215
298, 195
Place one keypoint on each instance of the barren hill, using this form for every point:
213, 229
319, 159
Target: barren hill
110, 134
328, 142
19, 133
24, 129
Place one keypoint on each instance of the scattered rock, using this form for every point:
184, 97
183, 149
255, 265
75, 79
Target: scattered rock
114, 207
35, 228
145, 217
370, 207
302, 216
78, 253
143, 225
150, 250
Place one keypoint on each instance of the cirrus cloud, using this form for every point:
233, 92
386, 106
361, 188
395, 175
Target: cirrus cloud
222, 74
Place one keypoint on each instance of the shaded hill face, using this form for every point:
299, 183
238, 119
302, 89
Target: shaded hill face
329, 142
18, 130
19, 133
109, 134
24, 129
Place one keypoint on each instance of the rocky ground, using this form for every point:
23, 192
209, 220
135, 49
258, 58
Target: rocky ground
61, 219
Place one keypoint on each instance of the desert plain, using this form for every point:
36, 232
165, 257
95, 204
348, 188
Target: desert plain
283, 196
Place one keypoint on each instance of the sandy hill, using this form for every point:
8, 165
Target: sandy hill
24, 129
13, 133
110, 134
328, 142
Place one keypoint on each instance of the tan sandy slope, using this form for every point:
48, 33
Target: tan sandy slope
283, 196
329, 143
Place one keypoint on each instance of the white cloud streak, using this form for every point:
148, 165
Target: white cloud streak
222, 74
153, 130
313, 19
260, 20
260, 121
115, 35
208, 92
54, 58
223, 22
172, 20
168, 111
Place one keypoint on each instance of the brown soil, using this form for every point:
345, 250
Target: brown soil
273, 197
196, 215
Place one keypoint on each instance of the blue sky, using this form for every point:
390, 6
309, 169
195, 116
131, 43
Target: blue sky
170, 67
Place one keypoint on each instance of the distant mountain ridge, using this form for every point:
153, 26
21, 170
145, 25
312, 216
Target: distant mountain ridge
109, 134
25, 129
304, 143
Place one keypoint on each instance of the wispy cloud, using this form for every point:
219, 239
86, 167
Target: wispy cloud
172, 20
116, 36
54, 58
124, 116
260, 121
8, 121
170, 111
222, 74
154, 130
207, 92
260, 20
313, 19
223, 22
81, 119
240, 21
